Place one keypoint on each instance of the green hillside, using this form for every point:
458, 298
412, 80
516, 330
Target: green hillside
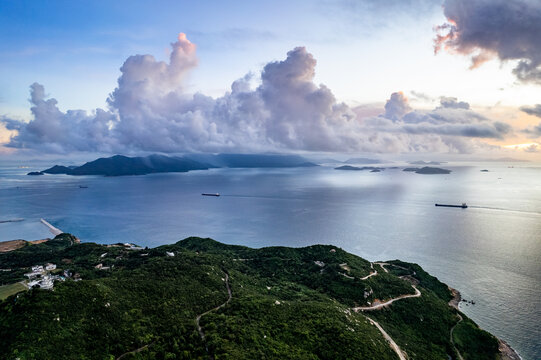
276, 303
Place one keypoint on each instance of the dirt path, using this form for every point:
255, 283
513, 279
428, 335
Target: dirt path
451, 337
198, 318
134, 351
382, 264
454, 304
393, 345
388, 302
369, 275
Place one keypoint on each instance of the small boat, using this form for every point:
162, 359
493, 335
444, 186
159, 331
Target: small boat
83, 186
463, 206
207, 194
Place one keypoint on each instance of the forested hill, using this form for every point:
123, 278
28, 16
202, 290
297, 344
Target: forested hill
202, 299
119, 165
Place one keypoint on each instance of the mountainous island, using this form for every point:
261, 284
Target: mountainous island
198, 299
120, 165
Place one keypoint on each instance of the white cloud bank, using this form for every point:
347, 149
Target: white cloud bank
151, 111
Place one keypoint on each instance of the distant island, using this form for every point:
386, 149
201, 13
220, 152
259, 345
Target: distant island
505, 159
119, 165
362, 161
355, 168
34, 173
421, 162
427, 170
199, 298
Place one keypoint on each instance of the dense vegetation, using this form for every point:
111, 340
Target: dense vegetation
474, 344
286, 303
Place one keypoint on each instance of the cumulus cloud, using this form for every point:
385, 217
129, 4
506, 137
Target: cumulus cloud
55, 131
453, 103
151, 111
484, 29
451, 118
397, 106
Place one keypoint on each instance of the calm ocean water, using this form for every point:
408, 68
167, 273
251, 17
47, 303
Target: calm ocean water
491, 251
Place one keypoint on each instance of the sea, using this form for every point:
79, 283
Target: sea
490, 252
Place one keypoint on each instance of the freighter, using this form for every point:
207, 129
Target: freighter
463, 206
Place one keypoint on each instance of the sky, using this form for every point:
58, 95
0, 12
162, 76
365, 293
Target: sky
426, 77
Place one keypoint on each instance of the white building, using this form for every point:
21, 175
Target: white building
46, 284
32, 275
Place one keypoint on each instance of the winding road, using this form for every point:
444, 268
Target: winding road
370, 275
382, 264
451, 337
198, 318
388, 302
390, 340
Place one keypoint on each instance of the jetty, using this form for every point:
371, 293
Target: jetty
52, 229
11, 220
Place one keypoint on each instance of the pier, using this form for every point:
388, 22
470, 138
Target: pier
52, 229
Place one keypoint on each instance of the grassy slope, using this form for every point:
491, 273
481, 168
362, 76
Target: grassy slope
11, 289
283, 306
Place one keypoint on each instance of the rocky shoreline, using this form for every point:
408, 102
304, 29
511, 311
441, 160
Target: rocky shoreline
506, 351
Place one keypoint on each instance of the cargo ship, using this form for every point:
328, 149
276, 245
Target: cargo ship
463, 206
207, 194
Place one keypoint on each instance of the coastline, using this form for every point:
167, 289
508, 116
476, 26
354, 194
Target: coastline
10, 245
506, 351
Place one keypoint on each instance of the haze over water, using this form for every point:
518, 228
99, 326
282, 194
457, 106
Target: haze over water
491, 251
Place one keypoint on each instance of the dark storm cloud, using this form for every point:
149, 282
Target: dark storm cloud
506, 29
